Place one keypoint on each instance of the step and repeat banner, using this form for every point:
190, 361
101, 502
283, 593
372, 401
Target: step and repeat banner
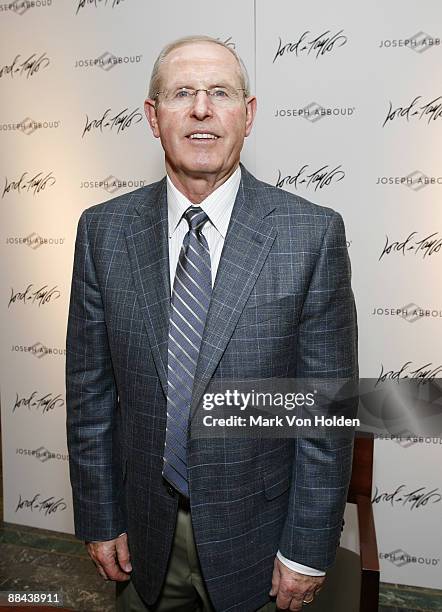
349, 116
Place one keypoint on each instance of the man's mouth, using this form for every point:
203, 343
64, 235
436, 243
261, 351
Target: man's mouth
202, 136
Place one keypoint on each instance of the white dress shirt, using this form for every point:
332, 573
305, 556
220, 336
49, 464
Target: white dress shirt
218, 207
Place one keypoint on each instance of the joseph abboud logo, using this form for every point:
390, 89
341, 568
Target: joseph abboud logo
35, 241
107, 60
415, 181
112, 184
314, 112
311, 176
419, 42
405, 441
410, 312
39, 350
406, 438
42, 454
28, 126
81, 4
400, 557
20, 7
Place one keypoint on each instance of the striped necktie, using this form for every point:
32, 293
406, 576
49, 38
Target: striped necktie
190, 302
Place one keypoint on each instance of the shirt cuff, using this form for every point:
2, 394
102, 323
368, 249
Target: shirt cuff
298, 567
108, 540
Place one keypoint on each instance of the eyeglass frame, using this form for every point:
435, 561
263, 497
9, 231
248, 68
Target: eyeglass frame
209, 96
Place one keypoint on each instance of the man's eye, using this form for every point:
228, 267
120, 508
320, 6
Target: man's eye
219, 93
183, 93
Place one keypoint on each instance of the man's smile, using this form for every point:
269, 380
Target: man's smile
198, 136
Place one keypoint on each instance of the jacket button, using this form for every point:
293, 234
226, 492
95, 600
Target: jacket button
171, 491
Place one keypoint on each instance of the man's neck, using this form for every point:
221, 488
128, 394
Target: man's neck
197, 188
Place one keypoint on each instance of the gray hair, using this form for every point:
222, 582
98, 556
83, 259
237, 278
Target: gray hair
155, 79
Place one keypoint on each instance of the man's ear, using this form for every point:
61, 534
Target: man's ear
250, 113
151, 114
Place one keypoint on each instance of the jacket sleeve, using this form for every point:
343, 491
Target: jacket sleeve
327, 349
91, 403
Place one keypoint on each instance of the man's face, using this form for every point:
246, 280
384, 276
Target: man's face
201, 65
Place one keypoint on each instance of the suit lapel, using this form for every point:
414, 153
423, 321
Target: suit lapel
147, 243
247, 244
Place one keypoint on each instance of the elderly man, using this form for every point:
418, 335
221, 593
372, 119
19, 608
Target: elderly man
206, 275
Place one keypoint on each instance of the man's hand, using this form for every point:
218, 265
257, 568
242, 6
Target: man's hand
291, 588
111, 558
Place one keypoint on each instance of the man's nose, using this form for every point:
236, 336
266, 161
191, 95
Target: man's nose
202, 105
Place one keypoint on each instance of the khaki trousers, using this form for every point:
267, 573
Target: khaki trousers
183, 589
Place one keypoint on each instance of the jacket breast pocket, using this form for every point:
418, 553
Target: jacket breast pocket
276, 482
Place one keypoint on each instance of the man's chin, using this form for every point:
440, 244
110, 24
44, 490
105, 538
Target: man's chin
202, 169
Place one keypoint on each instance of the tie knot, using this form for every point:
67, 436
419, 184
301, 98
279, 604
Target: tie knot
195, 217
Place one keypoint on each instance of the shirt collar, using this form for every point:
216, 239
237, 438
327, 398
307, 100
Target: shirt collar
217, 206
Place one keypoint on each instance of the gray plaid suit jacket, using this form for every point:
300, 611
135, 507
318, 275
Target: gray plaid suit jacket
282, 306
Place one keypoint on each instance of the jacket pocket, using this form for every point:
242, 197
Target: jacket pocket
276, 482
266, 311
124, 468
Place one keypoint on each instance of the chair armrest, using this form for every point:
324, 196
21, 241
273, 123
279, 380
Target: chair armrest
367, 535
368, 550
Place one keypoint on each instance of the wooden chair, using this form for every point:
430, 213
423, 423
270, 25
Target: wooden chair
352, 584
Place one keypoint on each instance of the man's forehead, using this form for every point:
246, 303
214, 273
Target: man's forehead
204, 60
202, 50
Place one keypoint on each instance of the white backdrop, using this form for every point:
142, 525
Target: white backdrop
349, 116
